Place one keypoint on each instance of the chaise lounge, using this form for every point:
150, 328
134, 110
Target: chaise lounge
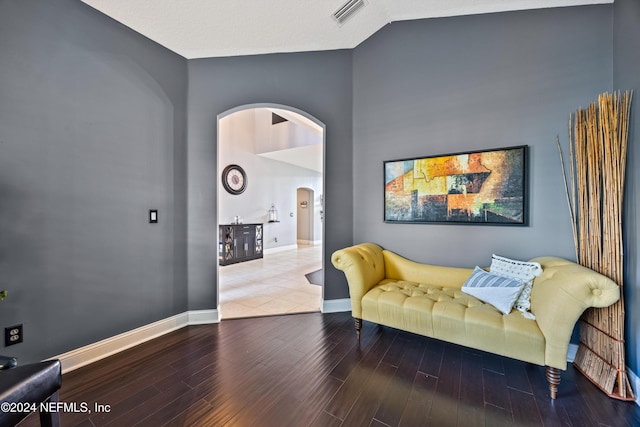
388, 289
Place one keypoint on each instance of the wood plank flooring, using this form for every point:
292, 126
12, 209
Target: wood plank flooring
308, 370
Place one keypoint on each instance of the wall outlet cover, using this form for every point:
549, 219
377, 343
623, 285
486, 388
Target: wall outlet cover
13, 335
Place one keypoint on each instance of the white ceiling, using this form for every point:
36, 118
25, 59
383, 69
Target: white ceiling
214, 28
306, 156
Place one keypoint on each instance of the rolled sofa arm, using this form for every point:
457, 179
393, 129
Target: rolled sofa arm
363, 265
559, 297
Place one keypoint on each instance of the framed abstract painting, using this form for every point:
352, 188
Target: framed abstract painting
479, 187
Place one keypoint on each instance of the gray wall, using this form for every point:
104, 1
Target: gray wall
626, 32
441, 86
92, 135
93, 125
319, 83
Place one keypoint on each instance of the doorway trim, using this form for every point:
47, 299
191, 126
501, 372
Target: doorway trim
306, 216
217, 174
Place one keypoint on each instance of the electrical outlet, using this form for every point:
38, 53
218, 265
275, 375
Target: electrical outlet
13, 335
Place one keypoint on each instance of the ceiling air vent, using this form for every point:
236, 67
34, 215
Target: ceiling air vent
347, 10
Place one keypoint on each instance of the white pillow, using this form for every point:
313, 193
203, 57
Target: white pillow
519, 270
501, 292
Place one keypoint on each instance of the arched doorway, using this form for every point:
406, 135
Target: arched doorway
278, 149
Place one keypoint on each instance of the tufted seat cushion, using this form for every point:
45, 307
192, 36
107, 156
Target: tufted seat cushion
449, 314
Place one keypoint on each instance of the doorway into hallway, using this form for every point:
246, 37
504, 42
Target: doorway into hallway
281, 154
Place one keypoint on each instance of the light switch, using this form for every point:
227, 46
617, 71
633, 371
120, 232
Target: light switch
153, 216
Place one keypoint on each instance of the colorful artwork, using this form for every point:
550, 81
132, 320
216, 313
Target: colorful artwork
483, 187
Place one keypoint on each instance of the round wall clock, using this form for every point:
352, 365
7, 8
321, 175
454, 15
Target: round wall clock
234, 179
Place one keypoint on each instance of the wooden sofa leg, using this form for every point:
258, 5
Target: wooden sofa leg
358, 323
553, 376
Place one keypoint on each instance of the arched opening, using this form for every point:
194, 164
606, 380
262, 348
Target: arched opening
266, 153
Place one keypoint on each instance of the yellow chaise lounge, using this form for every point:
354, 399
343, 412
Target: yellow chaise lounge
388, 289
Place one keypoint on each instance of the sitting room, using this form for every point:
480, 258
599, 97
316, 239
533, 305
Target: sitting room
114, 187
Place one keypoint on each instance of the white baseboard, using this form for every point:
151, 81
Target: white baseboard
571, 353
82, 356
336, 305
203, 317
279, 249
635, 384
309, 242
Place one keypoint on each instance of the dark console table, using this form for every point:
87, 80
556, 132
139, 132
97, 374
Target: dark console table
239, 242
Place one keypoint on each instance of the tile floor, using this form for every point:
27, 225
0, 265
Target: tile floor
272, 285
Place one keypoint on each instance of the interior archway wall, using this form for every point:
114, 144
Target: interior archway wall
318, 83
240, 131
247, 138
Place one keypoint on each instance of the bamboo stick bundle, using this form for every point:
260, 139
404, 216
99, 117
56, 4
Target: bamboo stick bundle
612, 203
598, 139
610, 157
594, 183
611, 178
581, 184
573, 187
571, 207
599, 342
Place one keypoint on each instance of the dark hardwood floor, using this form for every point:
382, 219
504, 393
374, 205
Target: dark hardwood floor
308, 370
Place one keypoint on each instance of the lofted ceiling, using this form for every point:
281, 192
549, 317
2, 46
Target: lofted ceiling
308, 156
219, 28
215, 28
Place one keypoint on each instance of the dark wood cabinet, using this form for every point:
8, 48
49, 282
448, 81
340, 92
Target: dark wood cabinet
239, 242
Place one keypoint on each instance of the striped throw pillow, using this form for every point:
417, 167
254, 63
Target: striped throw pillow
501, 292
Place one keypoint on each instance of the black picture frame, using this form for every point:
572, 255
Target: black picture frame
484, 187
